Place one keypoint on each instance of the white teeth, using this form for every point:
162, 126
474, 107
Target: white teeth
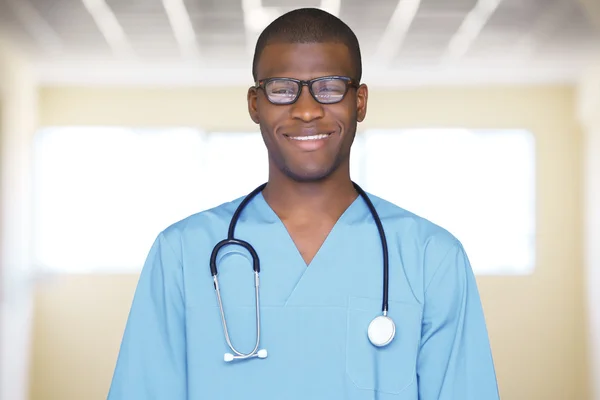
313, 137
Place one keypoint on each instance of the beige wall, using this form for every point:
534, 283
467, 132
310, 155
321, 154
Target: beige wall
537, 323
18, 120
589, 112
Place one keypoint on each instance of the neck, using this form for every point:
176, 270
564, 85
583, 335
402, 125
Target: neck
328, 198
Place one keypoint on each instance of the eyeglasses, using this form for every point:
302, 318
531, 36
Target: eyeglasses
325, 90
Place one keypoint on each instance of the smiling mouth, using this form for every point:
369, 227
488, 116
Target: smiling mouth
311, 137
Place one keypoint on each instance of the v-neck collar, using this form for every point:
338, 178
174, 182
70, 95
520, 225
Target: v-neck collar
270, 216
301, 278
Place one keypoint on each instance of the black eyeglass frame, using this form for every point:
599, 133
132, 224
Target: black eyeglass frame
350, 82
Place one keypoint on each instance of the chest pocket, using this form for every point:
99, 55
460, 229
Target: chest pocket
390, 369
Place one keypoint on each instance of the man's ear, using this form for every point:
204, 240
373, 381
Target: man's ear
362, 95
252, 104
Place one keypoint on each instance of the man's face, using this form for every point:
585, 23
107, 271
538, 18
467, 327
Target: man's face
307, 140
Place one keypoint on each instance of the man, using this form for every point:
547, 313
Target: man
321, 265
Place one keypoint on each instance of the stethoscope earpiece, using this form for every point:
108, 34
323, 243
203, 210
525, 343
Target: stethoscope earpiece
262, 353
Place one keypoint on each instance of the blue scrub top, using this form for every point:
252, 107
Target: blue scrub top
314, 318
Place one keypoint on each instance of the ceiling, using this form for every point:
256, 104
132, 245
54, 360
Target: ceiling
209, 42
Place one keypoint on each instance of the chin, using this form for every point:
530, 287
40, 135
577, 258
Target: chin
308, 176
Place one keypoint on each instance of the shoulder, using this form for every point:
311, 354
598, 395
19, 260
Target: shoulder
404, 224
431, 248
198, 226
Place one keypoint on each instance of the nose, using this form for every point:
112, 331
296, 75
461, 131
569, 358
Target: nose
306, 108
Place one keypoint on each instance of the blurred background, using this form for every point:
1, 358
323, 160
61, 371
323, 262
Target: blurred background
119, 117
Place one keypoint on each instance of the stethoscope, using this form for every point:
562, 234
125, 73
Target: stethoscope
381, 330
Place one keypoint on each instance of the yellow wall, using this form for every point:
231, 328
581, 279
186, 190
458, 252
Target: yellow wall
536, 323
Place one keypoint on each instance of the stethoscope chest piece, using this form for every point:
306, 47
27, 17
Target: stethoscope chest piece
381, 331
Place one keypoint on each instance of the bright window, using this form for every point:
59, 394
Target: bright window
479, 185
238, 163
101, 194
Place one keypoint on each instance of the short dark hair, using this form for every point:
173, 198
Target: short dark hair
309, 25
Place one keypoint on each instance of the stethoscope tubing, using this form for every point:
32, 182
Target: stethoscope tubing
384, 246
255, 259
